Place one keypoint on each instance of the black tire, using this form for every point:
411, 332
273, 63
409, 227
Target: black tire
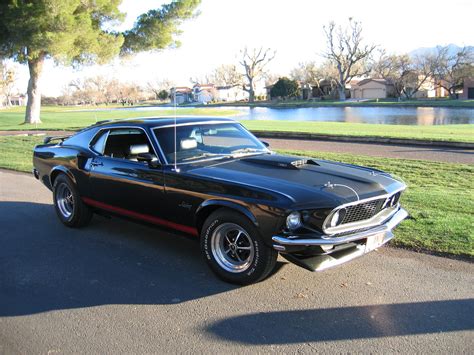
240, 265
69, 207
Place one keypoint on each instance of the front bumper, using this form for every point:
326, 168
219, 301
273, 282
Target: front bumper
357, 245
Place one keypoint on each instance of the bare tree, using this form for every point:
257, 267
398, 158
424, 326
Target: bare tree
254, 62
83, 91
7, 81
227, 75
307, 73
452, 69
206, 79
346, 51
158, 85
407, 74
271, 78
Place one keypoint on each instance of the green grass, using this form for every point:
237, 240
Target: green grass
16, 153
439, 197
454, 132
337, 103
71, 118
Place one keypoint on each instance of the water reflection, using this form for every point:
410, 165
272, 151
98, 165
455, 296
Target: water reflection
382, 115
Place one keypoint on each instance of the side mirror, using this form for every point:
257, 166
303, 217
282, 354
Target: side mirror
266, 144
149, 158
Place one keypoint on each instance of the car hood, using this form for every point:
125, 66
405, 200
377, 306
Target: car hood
303, 180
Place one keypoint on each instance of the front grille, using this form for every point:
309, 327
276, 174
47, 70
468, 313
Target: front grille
363, 211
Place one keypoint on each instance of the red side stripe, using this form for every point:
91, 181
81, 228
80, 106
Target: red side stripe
144, 217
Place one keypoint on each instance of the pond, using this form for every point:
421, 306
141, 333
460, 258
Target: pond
380, 115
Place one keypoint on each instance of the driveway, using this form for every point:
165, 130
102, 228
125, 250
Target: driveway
120, 287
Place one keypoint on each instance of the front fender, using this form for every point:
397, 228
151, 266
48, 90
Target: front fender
229, 204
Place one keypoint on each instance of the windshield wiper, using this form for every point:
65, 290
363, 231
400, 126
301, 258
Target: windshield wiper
205, 155
244, 151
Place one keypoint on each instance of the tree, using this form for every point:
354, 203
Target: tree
307, 73
226, 75
7, 81
254, 62
407, 74
395, 69
346, 51
285, 88
163, 95
157, 86
78, 31
452, 68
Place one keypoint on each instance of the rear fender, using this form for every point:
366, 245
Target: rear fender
58, 170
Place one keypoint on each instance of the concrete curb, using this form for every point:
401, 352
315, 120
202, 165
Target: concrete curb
363, 139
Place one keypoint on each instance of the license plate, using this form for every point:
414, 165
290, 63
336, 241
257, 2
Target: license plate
374, 241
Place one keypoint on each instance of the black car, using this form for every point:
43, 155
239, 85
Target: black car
212, 179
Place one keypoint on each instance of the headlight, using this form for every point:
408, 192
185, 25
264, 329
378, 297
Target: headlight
337, 217
293, 221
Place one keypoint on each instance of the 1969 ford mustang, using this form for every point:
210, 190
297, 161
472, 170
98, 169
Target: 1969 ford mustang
212, 179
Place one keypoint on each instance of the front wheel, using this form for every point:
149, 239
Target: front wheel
233, 248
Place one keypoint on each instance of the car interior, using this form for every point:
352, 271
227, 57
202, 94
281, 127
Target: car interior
126, 144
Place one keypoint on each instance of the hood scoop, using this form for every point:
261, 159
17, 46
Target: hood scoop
279, 161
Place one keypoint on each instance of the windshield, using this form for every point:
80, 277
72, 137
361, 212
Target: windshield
207, 141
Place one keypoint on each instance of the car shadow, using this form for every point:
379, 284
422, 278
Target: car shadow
46, 266
329, 324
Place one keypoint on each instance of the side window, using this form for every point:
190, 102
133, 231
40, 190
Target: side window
126, 144
98, 145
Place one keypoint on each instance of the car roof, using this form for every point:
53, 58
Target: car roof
161, 121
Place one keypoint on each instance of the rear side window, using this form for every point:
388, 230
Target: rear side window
98, 145
122, 143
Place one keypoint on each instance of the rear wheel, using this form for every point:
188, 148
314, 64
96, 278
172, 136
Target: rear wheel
68, 204
234, 249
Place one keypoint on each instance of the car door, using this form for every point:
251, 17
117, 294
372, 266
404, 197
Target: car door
119, 182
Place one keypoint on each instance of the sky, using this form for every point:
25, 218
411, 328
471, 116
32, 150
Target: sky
293, 28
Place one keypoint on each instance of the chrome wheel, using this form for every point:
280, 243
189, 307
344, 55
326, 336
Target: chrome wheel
232, 247
65, 200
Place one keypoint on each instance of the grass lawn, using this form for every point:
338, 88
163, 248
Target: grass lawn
440, 196
454, 132
71, 118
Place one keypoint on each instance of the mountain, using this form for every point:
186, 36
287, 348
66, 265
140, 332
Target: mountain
452, 50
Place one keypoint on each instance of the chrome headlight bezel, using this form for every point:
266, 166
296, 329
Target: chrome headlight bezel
294, 221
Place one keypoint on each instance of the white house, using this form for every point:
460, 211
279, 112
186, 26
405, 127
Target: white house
183, 94
231, 93
204, 93
13, 100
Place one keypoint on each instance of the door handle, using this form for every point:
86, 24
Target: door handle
96, 163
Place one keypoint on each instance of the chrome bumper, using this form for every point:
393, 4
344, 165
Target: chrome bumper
280, 241
326, 261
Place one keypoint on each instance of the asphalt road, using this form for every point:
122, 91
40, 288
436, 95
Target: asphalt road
449, 155
119, 287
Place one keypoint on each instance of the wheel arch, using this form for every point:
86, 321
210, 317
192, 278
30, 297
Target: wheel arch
60, 170
209, 206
